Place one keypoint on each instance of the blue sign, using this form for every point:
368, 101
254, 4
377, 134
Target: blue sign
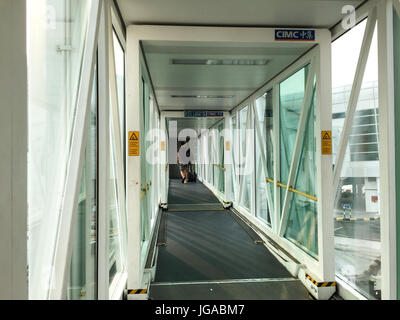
195, 114
203, 114
294, 35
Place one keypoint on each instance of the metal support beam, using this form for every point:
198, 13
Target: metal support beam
387, 175
104, 159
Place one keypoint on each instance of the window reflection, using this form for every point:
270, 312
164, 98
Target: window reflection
83, 271
356, 210
244, 164
54, 72
264, 157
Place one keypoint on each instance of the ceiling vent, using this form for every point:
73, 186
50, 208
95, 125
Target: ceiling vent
221, 62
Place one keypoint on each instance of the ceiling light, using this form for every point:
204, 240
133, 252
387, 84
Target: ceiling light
221, 62
203, 96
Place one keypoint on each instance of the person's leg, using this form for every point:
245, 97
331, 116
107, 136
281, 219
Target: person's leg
186, 177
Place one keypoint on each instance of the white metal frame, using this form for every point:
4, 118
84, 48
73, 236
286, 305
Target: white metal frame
99, 38
63, 251
306, 105
386, 149
323, 268
355, 93
120, 279
100, 26
381, 13
104, 161
259, 137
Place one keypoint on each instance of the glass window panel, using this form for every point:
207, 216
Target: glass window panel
120, 77
144, 124
117, 222
221, 174
235, 150
210, 159
291, 101
115, 214
264, 194
357, 241
53, 27
245, 159
344, 63
302, 226
83, 272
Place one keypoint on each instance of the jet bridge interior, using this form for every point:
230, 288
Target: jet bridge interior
254, 102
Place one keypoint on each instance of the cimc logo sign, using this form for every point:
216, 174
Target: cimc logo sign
294, 35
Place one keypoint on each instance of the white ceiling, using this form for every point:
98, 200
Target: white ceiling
306, 13
238, 81
235, 81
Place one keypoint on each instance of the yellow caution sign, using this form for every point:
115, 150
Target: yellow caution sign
133, 143
162, 145
326, 142
228, 145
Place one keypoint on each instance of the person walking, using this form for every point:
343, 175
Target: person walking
183, 158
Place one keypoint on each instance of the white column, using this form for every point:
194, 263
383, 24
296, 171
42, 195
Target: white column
104, 159
324, 162
13, 151
387, 175
133, 192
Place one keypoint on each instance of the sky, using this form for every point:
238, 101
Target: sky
345, 54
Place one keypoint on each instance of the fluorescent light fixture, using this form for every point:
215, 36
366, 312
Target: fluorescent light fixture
203, 96
221, 62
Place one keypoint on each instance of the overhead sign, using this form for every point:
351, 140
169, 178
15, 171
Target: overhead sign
133, 143
326, 142
294, 35
203, 114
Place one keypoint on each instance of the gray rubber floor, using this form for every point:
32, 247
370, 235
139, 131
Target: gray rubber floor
210, 246
284, 289
189, 193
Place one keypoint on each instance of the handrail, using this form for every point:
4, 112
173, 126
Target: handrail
219, 167
144, 190
292, 189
